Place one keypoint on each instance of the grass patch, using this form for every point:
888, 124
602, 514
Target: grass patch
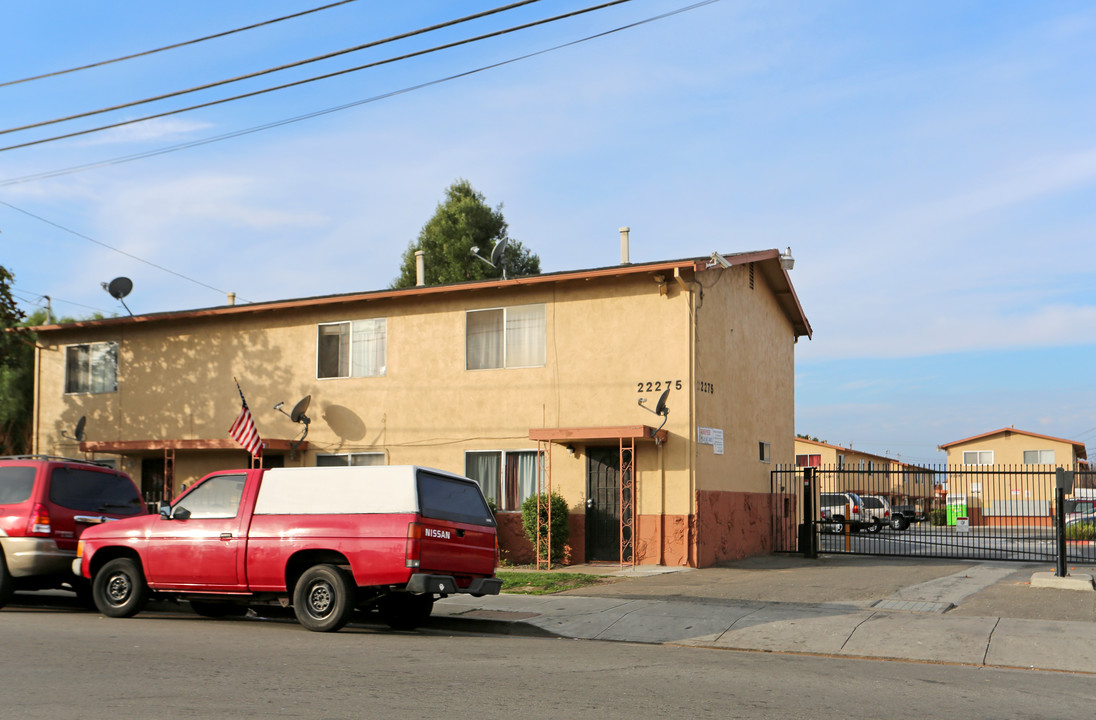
546, 583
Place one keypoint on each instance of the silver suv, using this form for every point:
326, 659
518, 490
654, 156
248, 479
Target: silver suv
878, 511
833, 507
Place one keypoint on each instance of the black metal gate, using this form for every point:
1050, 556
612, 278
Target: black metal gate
985, 512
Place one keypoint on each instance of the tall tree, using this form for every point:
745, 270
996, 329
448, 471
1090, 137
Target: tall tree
463, 221
16, 372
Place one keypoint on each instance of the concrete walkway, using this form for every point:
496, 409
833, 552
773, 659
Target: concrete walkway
972, 613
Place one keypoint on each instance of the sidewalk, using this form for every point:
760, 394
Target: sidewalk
944, 611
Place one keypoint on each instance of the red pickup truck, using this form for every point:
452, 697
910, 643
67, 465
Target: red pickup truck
325, 540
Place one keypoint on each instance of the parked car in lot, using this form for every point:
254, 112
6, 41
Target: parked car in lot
46, 503
878, 511
840, 509
324, 540
902, 516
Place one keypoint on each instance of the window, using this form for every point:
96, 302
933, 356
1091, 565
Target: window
350, 460
764, 452
91, 368
508, 478
808, 460
1038, 457
352, 349
978, 457
217, 497
840, 461
443, 498
16, 484
94, 491
509, 337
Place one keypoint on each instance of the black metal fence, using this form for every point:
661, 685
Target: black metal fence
984, 512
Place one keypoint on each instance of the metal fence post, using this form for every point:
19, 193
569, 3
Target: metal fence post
808, 539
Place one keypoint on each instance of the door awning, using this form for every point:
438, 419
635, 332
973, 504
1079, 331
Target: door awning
586, 434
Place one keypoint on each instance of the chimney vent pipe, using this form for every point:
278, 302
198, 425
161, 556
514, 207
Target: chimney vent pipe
624, 255
231, 298
420, 268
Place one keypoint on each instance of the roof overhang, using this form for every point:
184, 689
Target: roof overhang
122, 447
594, 434
1078, 447
768, 262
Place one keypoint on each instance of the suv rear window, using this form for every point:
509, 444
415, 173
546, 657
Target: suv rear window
443, 498
89, 490
872, 502
16, 484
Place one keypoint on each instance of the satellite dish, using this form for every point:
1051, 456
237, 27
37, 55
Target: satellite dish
298, 412
119, 287
496, 254
660, 408
78, 433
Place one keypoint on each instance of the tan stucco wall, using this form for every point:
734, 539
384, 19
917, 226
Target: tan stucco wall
607, 339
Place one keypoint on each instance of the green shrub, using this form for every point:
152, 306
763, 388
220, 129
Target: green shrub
1081, 531
938, 516
561, 530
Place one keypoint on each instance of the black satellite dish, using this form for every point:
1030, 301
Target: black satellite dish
660, 408
78, 433
496, 254
118, 288
298, 412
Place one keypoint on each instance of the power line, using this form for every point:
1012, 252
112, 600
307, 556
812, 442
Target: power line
299, 82
327, 111
267, 71
110, 247
175, 45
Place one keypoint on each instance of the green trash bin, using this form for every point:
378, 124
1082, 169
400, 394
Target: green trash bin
957, 508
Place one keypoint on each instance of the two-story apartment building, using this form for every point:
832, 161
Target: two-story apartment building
1006, 476
513, 382
843, 468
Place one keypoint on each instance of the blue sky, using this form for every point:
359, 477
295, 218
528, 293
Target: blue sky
931, 164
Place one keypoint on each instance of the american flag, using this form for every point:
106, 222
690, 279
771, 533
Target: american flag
243, 430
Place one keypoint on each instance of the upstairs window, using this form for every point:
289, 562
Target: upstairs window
1038, 457
91, 368
808, 460
978, 457
352, 349
764, 452
509, 337
367, 459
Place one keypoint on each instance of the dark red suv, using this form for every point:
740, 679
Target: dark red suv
45, 503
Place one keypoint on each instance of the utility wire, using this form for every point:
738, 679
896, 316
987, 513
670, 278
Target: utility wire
109, 247
174, 46
279, 68
327, 111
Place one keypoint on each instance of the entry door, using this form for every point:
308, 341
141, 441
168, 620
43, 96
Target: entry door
603, 503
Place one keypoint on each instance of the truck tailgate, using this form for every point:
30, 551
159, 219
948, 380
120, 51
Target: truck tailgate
456, 548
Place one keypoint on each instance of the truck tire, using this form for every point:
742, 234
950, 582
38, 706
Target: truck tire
323, 598
901, 523
876, 526
7, 582
119, 589
405, 611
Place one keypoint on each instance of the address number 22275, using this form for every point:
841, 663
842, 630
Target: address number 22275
657, 385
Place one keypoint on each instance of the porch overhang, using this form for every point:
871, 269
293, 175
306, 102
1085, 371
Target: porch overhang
123, 447
588, 434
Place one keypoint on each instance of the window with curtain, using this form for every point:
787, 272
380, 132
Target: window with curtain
978, 457
507, 337
352, 349
1038, 457
808, 460
507, 478
91, 368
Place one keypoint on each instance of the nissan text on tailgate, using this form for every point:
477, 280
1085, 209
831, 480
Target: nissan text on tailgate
325, 540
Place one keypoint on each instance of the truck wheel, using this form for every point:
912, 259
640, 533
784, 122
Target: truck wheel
405, 611
7, 582
901, 523
217, 609
876, 526
323, 598
119, 589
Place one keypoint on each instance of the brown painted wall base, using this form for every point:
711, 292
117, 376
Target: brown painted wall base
727, 526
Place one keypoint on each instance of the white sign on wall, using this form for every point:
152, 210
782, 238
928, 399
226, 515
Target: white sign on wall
711, 436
